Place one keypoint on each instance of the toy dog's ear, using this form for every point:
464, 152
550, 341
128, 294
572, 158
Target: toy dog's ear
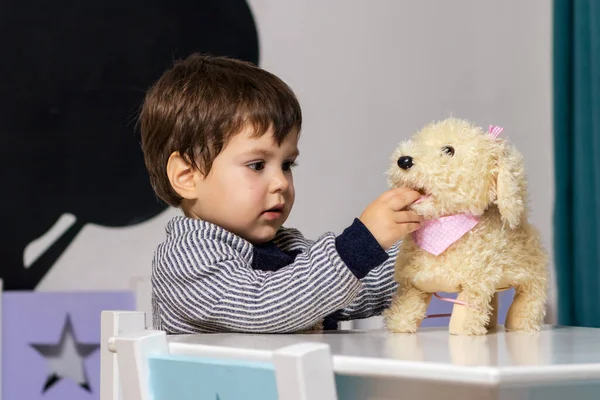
510, 185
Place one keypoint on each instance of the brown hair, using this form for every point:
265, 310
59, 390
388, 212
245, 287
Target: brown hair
200, 103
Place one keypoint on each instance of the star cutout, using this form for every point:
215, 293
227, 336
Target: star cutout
65, 358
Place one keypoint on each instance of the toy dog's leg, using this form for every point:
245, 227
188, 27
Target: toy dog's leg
471, 319
407, 310
493, 322
528, 308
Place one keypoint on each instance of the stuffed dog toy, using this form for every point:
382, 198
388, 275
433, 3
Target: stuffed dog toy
475, 239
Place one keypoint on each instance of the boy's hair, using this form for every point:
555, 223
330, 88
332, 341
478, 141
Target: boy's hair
200, 103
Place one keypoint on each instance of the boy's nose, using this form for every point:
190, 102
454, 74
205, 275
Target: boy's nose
280, 182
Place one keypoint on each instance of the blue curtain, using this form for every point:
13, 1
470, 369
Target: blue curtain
576, 78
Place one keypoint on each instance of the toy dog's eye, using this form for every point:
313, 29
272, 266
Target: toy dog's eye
449, 150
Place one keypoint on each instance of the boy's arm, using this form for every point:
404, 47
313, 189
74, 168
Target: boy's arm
378, 288
208, 284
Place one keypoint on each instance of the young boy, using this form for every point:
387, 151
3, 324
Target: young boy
220, 139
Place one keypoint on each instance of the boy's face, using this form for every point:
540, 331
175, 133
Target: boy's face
250, 189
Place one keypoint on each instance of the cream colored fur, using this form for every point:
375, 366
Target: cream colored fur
485, 177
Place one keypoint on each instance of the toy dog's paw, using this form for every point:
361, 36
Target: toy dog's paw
522, 325
397, 324
468, 330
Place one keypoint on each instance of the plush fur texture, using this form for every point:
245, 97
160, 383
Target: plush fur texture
484, 176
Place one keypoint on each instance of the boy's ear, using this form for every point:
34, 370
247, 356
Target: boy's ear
182, 176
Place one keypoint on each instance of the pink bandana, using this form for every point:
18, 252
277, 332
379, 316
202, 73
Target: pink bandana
437, 235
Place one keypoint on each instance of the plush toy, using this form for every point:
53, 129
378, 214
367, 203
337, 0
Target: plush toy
475, 239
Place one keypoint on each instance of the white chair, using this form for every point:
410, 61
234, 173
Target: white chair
136, 364
142, 288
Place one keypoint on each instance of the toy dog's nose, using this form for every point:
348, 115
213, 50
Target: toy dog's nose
405, 162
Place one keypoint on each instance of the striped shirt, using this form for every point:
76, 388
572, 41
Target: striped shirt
205, 279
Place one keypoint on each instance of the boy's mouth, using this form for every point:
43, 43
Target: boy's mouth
277, 208
274, 212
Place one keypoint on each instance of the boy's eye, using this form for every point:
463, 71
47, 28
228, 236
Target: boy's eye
289, 165
257, 166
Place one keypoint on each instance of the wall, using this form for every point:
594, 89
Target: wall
368, 74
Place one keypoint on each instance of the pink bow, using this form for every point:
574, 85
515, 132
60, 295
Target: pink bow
495, 130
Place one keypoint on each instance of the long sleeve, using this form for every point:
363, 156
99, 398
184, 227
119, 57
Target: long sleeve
203, 282
374, 267
376, 293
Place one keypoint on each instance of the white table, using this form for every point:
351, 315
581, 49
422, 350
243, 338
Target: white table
557, 363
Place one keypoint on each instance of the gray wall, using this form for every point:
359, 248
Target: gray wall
368, 74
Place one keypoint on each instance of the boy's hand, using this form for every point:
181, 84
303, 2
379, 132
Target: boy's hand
386, 218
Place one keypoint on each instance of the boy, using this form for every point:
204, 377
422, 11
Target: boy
220, 139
